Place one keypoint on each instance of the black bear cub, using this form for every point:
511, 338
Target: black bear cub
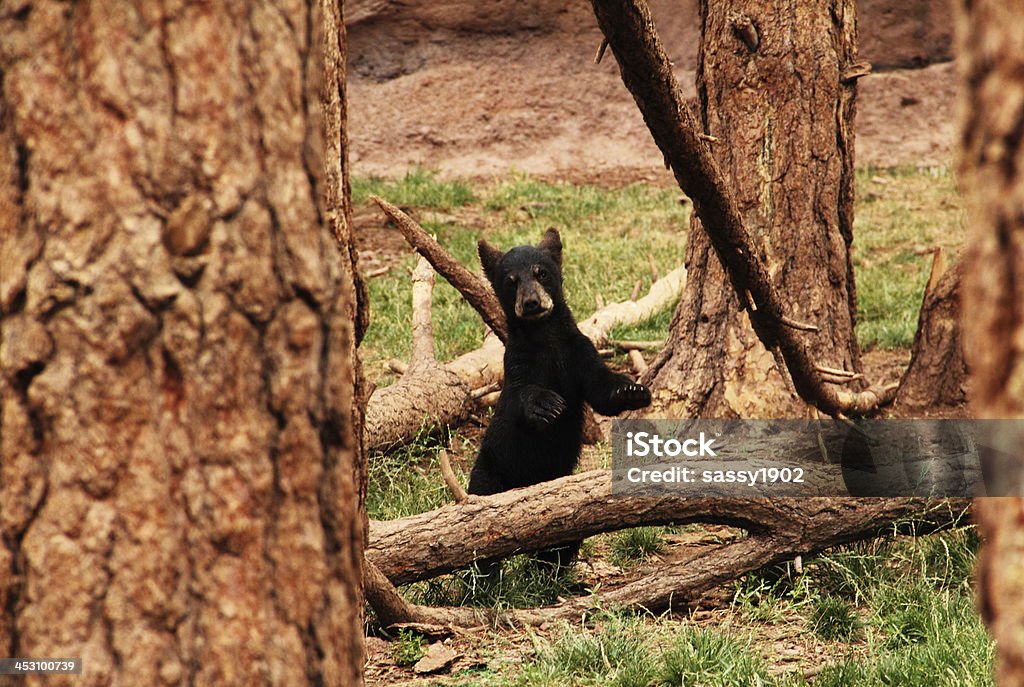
551, 368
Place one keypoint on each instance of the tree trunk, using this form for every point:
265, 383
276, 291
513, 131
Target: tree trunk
179, 458
777, 96
992, 170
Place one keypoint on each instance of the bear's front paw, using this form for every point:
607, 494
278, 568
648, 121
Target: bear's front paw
632, 396
543, 407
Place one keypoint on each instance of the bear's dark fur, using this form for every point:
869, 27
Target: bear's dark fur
551, 368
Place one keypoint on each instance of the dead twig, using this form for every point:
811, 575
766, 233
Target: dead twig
655, 273
450, 479
638, 345
636, 290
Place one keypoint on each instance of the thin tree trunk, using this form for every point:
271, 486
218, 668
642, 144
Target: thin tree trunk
992, 170
179, 457
777, 98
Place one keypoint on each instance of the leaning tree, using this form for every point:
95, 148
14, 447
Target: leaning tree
179, 460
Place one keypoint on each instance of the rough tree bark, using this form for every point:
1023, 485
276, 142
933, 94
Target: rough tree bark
179, 461
776, 82
992, 170
425, 545
937, 375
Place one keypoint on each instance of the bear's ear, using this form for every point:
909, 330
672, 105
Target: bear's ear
490, 257
552, 243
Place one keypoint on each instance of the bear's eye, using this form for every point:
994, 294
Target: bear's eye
511, 279
540, 272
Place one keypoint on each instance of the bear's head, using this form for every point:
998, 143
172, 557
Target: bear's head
526, 279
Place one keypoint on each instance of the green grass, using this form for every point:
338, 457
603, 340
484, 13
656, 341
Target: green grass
633, 546
632, 651
901, 215
711, 658
914, 624
418, 188
834, 618
518, 583
406, 480
408, 648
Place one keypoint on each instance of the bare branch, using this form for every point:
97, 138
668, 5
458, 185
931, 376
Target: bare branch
422, 325
450, 479
639, 364
473, 288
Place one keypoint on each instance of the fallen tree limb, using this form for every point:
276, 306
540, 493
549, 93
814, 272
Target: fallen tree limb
473, 288
426, 388
422, 546
647, 73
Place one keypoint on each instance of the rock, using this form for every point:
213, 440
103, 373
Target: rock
438, 658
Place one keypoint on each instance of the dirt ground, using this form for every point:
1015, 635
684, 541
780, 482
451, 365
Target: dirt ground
452, 92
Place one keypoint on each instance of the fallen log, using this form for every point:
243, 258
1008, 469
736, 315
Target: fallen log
428, 544
425, 545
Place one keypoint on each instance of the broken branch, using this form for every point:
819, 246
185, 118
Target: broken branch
473, 288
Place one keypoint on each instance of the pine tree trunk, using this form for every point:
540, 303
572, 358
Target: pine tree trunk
774, 97
179, 402
992, 171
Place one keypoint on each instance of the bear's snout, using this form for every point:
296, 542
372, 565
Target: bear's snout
533, 302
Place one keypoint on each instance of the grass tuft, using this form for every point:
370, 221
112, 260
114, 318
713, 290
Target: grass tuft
408, 648
635, 545
711, 659
833, 618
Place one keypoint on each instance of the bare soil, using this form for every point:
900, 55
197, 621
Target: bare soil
476, 90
